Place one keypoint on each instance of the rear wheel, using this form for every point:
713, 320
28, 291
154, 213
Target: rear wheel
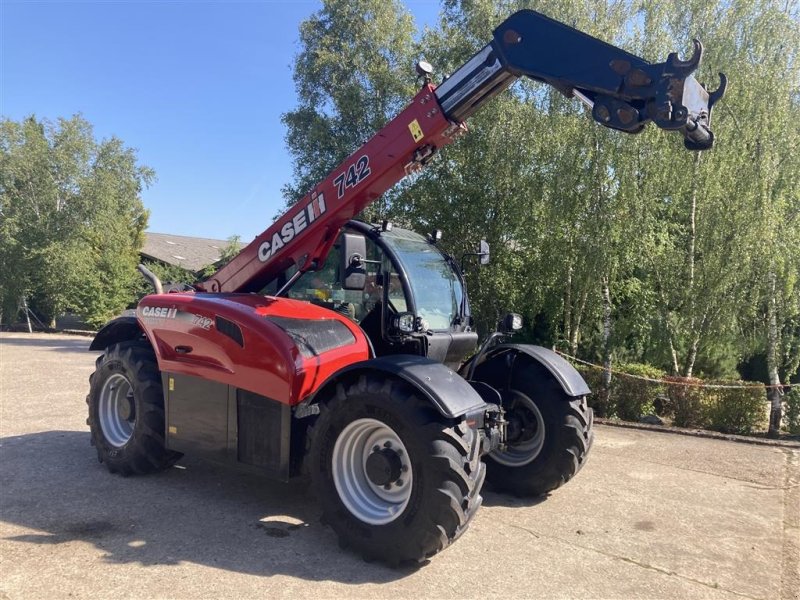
396, 480
126, 410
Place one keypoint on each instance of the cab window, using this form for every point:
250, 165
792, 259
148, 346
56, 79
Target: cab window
324, 287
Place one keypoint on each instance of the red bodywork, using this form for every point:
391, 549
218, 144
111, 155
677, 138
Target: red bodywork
269, 363
304, 235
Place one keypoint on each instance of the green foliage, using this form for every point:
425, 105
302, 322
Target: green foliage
629, 398
354, 71
792, 410
697, 252
686, 401
599, 399
71, 219
736, 410
169, 275
741, 410
226, 255
633, 398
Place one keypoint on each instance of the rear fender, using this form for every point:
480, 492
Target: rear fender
504, 356
446, 390
121, 329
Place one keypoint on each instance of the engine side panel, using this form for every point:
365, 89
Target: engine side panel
228, 425
232, 339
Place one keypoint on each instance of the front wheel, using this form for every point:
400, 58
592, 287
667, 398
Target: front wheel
126, 410
549, 435
396, 480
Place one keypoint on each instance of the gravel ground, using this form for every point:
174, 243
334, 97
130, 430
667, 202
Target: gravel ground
653, 515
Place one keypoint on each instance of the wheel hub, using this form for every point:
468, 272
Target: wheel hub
384, 466
126, 409
372, 471
526, 432
522, 426
116, 410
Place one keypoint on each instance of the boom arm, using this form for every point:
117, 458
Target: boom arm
623, 91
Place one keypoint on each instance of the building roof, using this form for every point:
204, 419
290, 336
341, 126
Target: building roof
190, 253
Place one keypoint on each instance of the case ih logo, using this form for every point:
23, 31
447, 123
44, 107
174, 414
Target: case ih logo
162, 312
302, 219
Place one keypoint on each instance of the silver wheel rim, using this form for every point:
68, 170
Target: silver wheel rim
526, 451
367, 501
116, 410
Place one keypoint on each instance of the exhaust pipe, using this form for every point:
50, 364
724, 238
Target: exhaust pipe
151, 277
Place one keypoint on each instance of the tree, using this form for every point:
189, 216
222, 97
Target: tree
354, 72
71, 219
770, 176
226, 255
609, 244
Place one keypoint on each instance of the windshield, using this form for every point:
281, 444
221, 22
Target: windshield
436, 288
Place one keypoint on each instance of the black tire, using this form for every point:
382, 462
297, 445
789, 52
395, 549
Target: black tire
446, 471
568, 433
144, 451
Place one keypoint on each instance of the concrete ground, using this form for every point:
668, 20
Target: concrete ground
652, 515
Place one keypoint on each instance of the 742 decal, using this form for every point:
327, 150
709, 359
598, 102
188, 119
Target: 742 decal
355, 174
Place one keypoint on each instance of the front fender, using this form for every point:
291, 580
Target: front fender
450, 393
562, 371
121, 329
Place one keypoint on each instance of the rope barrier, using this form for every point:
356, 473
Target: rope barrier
718, 386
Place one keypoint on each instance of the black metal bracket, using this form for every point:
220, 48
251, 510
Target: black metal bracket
625, 92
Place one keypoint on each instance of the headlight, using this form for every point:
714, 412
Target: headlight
511, 322
405, 322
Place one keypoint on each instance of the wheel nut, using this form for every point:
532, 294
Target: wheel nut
387, 444
388, 486
375, 448
404, 468
399, 482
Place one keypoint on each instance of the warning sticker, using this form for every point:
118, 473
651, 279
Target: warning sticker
416, 130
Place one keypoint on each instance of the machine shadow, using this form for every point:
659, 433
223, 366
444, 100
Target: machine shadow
195, 512
493, 497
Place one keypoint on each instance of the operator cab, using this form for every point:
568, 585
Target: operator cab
405, 293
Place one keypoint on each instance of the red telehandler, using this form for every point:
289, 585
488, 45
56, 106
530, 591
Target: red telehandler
335, 348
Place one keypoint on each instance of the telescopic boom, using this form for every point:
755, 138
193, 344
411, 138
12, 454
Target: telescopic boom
623, 91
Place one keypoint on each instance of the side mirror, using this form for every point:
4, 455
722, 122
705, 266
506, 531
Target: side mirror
352, 269
483, 252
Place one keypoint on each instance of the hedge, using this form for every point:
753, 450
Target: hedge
634, 398
629, 398
598, 399
791, 407
741, 410
736, 410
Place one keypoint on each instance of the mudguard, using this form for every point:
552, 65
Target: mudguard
451, 394
116, 330
568, 378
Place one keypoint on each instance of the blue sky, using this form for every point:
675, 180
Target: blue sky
196, 87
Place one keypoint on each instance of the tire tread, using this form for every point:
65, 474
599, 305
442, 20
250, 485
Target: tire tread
450, 505
146, 451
